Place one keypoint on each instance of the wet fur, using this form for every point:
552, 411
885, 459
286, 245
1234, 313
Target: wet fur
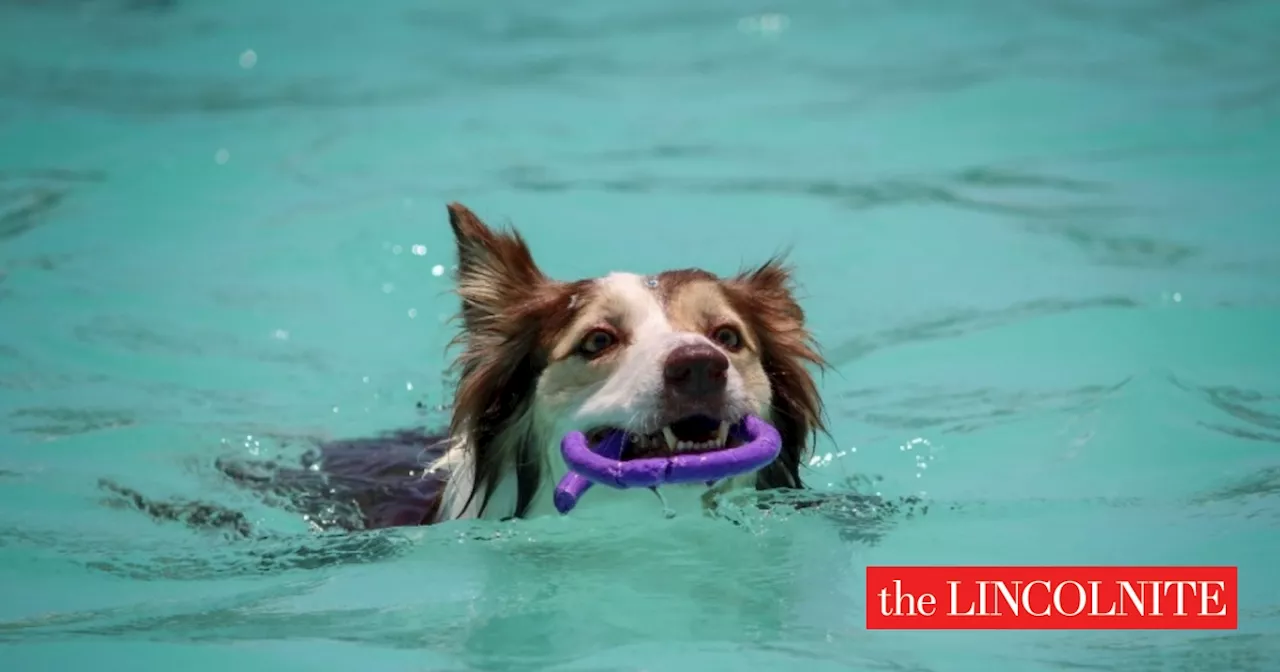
514, 325
512, 317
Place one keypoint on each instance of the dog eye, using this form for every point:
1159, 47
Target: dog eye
729, 338
596, 342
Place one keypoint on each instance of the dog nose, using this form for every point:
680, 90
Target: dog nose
696, 369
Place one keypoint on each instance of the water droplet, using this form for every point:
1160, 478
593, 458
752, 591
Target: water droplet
248, 59
419, 250
388, 287
408, 386
437, 270
221, 157
413, 312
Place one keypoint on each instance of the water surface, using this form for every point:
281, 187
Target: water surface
1038, 242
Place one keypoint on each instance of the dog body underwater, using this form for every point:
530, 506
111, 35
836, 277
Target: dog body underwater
672, 359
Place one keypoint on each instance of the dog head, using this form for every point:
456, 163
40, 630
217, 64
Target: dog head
672, 359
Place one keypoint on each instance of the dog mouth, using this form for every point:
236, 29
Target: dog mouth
692, 434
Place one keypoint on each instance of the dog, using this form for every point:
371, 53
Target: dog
672, 359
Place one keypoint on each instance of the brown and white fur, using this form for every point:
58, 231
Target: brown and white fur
542, 357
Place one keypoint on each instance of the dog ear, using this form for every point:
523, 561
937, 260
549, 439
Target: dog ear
496, 271
765, 296
507, 305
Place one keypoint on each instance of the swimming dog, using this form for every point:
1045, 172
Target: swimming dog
672, 359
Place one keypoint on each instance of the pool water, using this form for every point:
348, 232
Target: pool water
1038, 241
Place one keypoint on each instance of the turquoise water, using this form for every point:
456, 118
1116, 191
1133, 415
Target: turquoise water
1038, 241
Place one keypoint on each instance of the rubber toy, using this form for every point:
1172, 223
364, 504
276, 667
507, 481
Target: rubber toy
602, 464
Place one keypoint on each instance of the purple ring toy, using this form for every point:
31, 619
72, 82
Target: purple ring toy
602, 465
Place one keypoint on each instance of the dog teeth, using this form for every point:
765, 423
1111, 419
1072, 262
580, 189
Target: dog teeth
674, 444
667, 439
696, 445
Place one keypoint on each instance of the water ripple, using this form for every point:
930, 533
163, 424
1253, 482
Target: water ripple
29, 198
133, 336
958, 323
1258, 411
62, 422
143, 93
963, 411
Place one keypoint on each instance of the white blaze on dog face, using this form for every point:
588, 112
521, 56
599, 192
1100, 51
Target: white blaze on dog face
607, 367
655, 356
